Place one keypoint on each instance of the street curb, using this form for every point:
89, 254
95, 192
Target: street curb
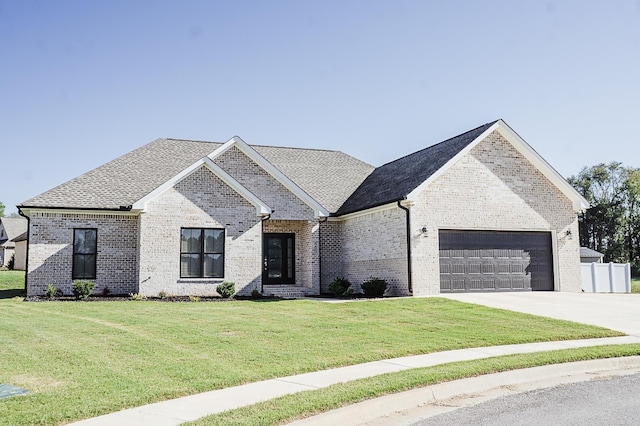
417, 404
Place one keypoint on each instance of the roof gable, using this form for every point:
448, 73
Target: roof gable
247, 150
13, 226
395, 180
261, 207
327, 177
406, 177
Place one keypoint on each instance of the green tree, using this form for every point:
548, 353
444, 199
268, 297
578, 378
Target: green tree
2, 206
612, 224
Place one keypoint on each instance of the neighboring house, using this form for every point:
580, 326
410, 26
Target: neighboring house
590, 256
478, 212
10, 227
20, 252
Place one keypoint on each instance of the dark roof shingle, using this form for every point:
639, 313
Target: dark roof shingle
395, 180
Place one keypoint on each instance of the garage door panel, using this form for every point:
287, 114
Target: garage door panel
495, 261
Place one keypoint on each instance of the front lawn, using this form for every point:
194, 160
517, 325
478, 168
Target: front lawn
83, 359
635, 285
11, 284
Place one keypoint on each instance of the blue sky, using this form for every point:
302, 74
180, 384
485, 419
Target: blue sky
83, 82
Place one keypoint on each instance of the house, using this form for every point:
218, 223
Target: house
590, 256
481, 211
10, 227
20, 252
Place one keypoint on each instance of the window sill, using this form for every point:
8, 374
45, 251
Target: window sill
200, 280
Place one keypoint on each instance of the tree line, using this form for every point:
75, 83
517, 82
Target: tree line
611, 225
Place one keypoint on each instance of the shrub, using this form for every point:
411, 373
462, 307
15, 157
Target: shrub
226, 289
163, 295
11, 263
255, 293
339, 286
374, 287
137, 296
106, 291
194, 298
51, 291
82, 288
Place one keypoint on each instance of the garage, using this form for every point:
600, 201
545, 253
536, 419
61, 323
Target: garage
495, 261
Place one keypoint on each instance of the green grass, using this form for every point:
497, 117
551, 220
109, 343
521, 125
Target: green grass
83, 359
635, 285
11, 284
305, 404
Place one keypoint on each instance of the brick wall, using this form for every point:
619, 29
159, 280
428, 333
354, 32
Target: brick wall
331, 252
375, 245
201, 200
51, 251
286, 205
492, 187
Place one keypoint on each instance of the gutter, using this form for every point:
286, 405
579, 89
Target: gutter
408, 222
26, 257
108, 209
326, 218
262, 265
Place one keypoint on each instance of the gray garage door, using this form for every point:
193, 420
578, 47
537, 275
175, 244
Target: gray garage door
495, 261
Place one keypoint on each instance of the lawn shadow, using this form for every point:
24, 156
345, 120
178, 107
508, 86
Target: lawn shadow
11, 293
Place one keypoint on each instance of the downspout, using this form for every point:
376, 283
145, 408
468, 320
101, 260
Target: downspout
409, 282
320, 252
264, 218
26, 257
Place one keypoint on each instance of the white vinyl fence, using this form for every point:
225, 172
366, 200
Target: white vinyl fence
606, 277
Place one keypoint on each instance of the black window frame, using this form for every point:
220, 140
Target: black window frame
202, 253
74, 269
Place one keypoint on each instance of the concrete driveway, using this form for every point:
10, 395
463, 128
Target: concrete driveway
619, 312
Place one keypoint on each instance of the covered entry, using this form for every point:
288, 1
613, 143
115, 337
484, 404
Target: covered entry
495, 261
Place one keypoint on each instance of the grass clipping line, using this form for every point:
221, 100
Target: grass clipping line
308, 403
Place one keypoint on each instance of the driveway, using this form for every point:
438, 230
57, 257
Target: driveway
619, 312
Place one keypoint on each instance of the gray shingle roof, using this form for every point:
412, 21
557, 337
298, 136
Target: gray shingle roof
327, 176
22, 237
13, 226
587, 252
395, 180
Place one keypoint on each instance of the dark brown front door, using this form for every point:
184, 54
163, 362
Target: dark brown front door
279, 259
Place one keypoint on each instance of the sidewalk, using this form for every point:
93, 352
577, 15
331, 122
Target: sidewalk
176, 411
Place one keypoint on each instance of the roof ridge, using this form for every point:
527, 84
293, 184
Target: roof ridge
260, 145
441, 142
190, 140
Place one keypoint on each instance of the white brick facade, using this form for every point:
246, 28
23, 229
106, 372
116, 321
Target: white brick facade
491, 187
374, 245
51, 251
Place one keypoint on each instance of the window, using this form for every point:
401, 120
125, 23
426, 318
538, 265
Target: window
85, 248
201, 253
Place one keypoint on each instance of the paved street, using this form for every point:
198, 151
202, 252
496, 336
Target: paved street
598, 402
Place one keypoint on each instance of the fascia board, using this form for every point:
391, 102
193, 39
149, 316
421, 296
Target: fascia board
371, 210
27, 211
272, 170
141, 204
579, 202
413, 194
261, 207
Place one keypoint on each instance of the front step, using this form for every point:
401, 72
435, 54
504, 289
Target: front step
286, 291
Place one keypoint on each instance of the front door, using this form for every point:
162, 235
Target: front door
279, 259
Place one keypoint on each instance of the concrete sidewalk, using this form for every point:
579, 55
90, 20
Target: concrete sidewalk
410, 407
176, 411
